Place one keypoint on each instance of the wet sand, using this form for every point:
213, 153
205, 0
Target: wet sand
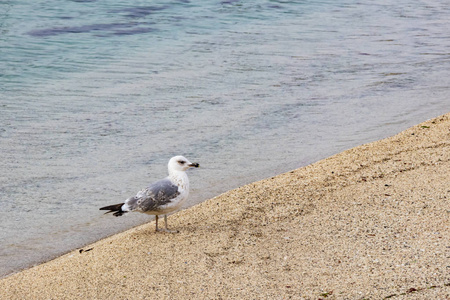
369, 223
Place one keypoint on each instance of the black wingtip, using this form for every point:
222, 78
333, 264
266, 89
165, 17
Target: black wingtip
118, 213
116, 209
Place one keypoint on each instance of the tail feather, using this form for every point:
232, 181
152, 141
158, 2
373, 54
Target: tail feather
116, 209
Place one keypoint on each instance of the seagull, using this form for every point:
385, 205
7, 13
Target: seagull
161, 197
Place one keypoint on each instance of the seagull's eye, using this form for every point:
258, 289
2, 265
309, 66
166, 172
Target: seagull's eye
181, 162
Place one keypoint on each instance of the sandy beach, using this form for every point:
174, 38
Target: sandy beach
371, 222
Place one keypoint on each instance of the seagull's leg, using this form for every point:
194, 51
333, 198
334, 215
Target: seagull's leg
165, 222
167, 229
156, 223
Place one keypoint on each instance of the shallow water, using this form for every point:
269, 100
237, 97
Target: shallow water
96, 96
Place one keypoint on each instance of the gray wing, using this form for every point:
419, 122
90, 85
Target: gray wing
153, 197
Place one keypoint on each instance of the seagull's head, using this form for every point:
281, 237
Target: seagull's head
180, 163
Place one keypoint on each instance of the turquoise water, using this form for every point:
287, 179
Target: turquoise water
96, 96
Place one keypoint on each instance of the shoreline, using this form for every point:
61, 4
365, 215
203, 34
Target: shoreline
369, 222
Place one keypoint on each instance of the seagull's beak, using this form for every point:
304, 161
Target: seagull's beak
194, 165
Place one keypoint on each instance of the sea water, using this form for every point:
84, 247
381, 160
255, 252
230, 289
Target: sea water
96, 96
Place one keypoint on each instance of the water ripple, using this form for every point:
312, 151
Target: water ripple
115, 28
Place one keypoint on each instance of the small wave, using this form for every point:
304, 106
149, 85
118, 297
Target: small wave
113, 28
